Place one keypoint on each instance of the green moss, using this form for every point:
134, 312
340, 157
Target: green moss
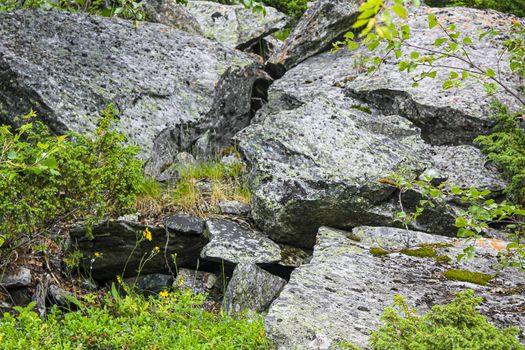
437, 245
468, 276
361, 108
378, 252
443, 259
423, 252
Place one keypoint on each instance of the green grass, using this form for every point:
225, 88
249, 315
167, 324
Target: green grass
173, 321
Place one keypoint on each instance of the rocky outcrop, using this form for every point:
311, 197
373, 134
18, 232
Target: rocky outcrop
342, 292
171, 13
233, 243
235, 26
320, 148
68, 66
445, 117
105, 256
251, 288
325, 22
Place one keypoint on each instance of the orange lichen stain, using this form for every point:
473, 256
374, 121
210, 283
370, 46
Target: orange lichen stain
480, 242
496, 244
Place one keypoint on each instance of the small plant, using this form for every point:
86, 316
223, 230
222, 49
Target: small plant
468, 276
457, 325
378, 252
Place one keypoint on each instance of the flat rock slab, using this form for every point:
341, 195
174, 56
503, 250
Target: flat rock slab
235, 26
115, 240
69, 66
17, 278
233, 243
343, 291
251, 288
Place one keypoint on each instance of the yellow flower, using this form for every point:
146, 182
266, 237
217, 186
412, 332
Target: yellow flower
156, 250
97, 254
119, 278
1, 337
147, 234
164, 294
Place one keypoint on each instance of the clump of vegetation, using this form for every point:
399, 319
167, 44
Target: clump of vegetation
468, 276
293, 8
47, 179
422, 252
353, 237
378, 252
362, 108
224, 182
173, 320
505, 146
443, 259
457, 325
509, 6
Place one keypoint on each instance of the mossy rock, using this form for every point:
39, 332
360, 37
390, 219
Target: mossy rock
423, 252
468, 276
378, 252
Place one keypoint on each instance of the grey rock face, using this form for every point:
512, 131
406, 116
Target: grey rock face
445, 116
170, 13
68, 66
20, 277
322, 24
342, 292
235, 26
235, 244
320, 164
251, 288
185, 223
150, 284
115, 241
234, 208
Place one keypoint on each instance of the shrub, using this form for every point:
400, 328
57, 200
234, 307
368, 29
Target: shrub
45, 179
173, 320
509, 6
293, 8
457, 325
505, 146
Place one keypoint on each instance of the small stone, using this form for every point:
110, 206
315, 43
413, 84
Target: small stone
251, 288
234, 208
21, 277
58, 295
198, 281
233, 243
185, 223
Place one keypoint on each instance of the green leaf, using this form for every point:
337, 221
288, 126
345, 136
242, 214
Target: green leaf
432, 21
439, 41
400, 11
414, 55
12, 154
352, 45
490, 73
461, 222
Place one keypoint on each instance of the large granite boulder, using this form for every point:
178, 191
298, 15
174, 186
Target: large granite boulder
345, 288
251, 288
169, 86
325, 22
451, 116
320, 149
113, 251
235, 26
171, 13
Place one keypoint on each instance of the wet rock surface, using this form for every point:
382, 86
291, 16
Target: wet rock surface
342, 292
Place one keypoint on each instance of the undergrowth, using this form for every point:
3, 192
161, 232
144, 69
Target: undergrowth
505, 146
173, 320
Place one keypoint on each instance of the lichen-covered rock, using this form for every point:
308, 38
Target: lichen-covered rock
234, 208
233, 243
319, 164
251, 288
170, 87
171, 13
114, 242
345, 288
235, 26
451, 116
185, 223
322, 24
